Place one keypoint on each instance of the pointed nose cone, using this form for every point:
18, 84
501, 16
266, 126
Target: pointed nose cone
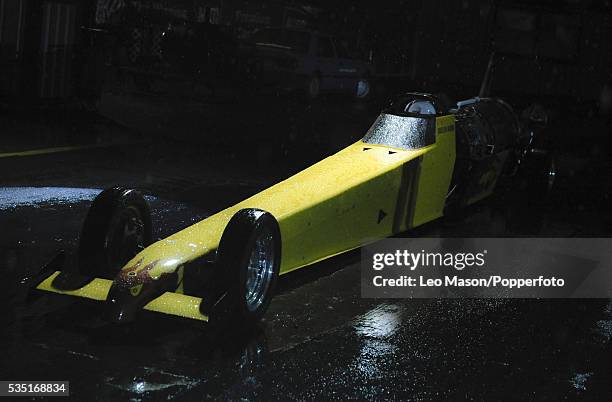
131, 290
130, 294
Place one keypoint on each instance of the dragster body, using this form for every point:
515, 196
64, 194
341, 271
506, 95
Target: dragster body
363, 193
399, 176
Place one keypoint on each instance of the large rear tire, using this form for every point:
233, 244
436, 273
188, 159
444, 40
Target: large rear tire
250, 251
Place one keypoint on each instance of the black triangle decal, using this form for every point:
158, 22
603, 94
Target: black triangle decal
392, 152
365, 149
381, 215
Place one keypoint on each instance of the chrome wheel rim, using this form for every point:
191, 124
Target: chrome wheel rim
260, 269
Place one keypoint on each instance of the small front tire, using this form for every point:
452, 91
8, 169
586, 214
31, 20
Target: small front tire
249, 252
117, 227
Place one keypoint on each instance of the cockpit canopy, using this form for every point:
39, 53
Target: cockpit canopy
408, 123
405, 132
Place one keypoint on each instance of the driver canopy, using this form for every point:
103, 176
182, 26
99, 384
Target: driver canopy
409, 123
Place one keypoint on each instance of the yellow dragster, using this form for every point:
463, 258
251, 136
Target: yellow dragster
399, 176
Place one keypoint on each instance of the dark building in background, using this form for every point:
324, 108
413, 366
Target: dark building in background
542, 48
57, 50
141, 23
43, 48
12, 21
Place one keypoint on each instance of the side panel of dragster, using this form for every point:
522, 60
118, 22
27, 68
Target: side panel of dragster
376, 192
363, 193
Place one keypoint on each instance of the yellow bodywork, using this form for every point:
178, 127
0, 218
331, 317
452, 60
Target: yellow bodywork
169, 303
330, 207
363, 193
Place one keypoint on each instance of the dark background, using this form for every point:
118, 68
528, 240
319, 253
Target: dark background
192, 125
67, 63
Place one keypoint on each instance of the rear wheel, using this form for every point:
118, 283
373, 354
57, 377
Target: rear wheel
250, 252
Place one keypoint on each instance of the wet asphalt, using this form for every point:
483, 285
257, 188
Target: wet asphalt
319, 340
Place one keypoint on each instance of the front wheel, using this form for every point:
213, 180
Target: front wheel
117, 227
250, 251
